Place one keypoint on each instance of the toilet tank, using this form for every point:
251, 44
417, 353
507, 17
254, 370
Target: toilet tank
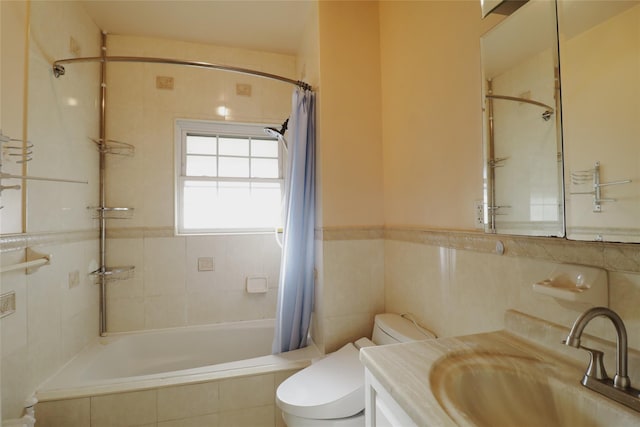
392, 328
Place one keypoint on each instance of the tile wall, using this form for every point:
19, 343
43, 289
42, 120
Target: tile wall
242, 402
456, 284
56, 307
167, 289
350, 287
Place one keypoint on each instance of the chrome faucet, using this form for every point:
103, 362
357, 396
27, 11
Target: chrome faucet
595, 378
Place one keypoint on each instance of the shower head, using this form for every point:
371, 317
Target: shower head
279, 134
275, 132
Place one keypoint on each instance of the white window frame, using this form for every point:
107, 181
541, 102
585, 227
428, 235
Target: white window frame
184, 127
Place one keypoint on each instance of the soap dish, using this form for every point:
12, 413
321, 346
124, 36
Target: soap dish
576, 283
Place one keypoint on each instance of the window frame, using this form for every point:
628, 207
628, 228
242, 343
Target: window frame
186, 127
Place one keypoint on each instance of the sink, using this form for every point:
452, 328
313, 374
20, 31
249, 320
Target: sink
493, 389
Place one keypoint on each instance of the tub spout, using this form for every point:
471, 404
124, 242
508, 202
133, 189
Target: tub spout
595, 378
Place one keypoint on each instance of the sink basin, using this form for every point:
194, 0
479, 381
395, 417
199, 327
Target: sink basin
491, 389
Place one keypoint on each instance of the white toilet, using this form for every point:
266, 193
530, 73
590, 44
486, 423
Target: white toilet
330, 392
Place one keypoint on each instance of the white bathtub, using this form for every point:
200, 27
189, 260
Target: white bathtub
144, 360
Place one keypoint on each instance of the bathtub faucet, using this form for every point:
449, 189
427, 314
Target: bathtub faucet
595, 378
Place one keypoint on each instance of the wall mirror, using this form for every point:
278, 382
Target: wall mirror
522, 139
600, 75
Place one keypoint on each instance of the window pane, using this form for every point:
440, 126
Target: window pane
237, 182
201, 144
264, 148
201, 166
199, 204
231, 205
233, 146
264, 168
234, 167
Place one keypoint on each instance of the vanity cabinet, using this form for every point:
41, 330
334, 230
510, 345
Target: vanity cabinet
381, 410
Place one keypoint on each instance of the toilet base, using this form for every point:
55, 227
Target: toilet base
295, 421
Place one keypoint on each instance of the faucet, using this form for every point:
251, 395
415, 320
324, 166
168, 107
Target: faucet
595, 378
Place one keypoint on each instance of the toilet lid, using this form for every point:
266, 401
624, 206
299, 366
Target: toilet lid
330, 388
401, 329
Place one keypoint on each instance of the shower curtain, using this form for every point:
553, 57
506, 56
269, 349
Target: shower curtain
295, 292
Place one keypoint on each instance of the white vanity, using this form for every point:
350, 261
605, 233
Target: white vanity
522, 375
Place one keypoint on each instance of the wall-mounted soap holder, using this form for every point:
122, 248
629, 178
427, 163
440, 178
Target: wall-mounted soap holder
576, 283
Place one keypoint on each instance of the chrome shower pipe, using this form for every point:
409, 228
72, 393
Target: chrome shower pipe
491, 170
102, 191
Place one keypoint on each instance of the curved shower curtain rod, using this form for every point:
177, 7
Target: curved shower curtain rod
546, 115
59, 70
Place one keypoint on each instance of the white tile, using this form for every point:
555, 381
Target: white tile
263, 416
125, 314
124, 409
64, 413
187, 401
247, 392
211, 420
165, 311
164, 266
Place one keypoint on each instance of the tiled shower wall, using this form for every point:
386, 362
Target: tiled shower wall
57, 306
167, 289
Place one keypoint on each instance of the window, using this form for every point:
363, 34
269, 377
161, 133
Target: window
229, 178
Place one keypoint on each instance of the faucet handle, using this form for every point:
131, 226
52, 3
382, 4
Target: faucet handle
596, 364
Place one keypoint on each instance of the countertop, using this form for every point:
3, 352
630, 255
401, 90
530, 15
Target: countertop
405, 370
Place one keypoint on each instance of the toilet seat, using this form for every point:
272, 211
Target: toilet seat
328, 389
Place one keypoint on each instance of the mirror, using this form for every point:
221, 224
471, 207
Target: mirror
600, 74
522, 144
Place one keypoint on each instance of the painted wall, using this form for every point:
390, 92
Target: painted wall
56, 307
432, 172
350, 115
349, 286
430, 61
166, 289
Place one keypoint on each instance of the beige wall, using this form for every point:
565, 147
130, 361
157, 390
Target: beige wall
432, 170
430, 60
55, 315
349, 284
350, 115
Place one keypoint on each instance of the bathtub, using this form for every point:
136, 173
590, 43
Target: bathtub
134, 361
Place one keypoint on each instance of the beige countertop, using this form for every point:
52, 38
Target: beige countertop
406, 370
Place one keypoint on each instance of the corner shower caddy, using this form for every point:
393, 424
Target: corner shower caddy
108, 146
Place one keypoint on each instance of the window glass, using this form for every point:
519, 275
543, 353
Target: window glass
197, 144
264, 168
234, 167
264, 148
233, 146
227, 183
201, 166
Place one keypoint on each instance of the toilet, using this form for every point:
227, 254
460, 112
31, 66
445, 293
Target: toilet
330, 392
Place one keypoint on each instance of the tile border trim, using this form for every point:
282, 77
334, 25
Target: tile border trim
624, 257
